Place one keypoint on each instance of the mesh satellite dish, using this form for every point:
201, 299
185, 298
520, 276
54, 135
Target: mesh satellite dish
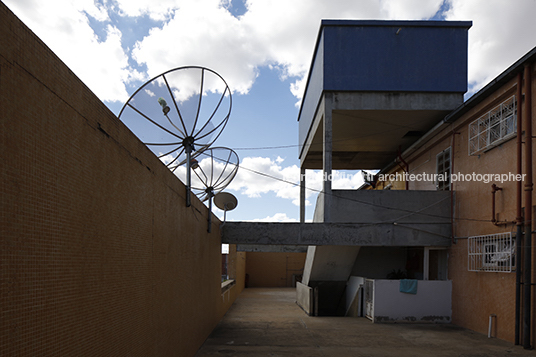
226, 202
178, 114
213, 169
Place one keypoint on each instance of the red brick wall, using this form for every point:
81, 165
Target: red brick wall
98, 254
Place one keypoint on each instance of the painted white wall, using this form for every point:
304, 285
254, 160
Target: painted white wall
432, 303
352, 287
304, 297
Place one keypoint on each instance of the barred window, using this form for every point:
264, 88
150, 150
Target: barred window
494, 127
493, 253
443, 170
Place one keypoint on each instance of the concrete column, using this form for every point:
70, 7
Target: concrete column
327, 156
302, 195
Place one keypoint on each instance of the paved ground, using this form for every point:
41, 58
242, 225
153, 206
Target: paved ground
267, 322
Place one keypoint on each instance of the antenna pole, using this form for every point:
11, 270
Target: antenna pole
210, 194
188, 149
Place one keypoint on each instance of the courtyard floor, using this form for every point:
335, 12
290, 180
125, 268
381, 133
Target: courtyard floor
267, 322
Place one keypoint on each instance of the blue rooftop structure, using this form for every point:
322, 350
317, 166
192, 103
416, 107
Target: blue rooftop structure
408, 73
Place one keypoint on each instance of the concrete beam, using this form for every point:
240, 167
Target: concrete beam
361, 234
271, 248
396, 101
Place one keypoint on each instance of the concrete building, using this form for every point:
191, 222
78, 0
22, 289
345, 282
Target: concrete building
374, 87
101, 256
485, 148
449, 219
455, 222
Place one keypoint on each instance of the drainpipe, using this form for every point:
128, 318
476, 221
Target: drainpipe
405, 168
494, 188
528, 209
519, 215
451, 188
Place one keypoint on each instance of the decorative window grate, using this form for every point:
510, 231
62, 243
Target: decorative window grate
494, 127
493, 253
443, 170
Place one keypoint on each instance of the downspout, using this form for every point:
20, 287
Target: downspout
494, 188
451, 188
528, 210
519, 214
405, 168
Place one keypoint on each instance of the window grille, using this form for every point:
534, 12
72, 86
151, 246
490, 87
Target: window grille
494, 127
493, 253
443, 170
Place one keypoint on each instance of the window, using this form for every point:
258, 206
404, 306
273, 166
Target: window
494, 127
443, 170
493, 253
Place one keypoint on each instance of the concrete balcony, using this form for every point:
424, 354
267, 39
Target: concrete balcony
360, 218
393, 217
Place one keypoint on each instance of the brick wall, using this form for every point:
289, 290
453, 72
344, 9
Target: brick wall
98, 254
273, 269
476, 295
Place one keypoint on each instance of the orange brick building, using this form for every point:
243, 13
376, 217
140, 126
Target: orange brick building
485, 136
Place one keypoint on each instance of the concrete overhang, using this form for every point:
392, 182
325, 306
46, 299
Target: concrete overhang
358, 234
369, 129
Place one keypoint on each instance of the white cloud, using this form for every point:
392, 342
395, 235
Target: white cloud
63, 25
502, 32
276, 33
159, 11
273, 178
410, 9
261, 175
202, 34
278, 217
284, 40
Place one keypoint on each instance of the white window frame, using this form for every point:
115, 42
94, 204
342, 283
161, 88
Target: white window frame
441, 158
491, 253
493, 128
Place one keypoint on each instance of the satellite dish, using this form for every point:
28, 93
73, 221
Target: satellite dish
226, 202
179, 114
214, 169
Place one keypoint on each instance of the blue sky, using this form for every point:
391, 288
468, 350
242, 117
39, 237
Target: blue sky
263, 49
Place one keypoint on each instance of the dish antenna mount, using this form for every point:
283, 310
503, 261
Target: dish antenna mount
179, 114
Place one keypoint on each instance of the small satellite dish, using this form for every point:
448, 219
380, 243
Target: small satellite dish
226, 202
